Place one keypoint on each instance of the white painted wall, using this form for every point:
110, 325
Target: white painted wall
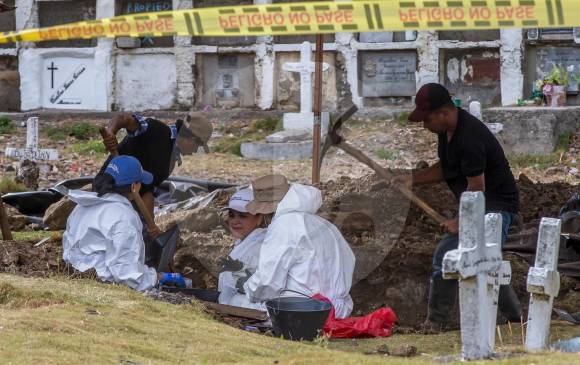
146, 81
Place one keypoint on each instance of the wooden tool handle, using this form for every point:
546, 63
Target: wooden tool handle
136, 196
382, 172
105, 133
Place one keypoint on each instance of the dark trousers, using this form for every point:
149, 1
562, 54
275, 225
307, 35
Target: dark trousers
442, 292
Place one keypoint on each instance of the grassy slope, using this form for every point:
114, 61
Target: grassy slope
52, 321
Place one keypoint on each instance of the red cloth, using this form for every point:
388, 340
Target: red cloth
376, 324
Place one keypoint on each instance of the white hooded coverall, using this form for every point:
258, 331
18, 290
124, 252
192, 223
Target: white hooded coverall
104, 233
305, 253
247, 253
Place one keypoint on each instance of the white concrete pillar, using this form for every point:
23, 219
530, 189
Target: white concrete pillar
184, 61
346, 45
512, 73
265, 68
428, 57
103, 56
543, 285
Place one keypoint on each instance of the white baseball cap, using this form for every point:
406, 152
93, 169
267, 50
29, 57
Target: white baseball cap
240, 200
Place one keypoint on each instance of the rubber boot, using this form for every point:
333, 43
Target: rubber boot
509, 304
442, 295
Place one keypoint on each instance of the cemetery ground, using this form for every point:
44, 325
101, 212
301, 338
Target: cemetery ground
61, 320
57, 315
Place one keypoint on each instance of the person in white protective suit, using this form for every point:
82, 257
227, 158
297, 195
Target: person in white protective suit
241, 263
104, 232
301, 251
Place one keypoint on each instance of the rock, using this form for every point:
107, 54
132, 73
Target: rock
405, 351
383, 349
289, 136
277, 151
16, 220
194, 220
57, 214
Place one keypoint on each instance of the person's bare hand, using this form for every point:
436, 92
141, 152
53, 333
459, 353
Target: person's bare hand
451, 225
153, 232
110, 142
403, 180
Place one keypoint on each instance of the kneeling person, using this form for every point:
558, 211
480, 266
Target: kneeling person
104, 231
302, 252
249, 231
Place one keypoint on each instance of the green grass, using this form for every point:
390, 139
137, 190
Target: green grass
8, 185
540, 162
79, 321
81, 131
402, 118
563, 143
90, 147
257, 131
386, 154
7, 126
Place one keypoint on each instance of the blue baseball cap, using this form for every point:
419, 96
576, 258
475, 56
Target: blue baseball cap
127, 170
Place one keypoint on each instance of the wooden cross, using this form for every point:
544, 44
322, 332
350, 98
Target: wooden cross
31, 152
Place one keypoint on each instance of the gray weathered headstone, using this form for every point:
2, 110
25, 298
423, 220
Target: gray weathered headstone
543, 285
478, 266
32, 152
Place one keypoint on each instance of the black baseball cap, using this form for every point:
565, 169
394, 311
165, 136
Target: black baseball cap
429, 98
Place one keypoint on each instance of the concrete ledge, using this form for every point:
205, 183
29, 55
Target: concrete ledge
533, 130
277, 151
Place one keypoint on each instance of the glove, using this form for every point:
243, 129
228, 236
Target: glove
172, 278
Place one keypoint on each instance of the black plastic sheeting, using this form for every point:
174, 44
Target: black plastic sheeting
35, 203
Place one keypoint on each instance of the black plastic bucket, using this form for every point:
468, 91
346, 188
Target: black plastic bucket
297, 318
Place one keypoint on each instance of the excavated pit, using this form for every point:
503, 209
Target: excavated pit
393, 242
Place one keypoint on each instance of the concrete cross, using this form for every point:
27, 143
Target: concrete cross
31, 152
543, 285
306, 68
478, 266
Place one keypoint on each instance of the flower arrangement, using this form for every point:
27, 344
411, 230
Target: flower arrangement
554, 85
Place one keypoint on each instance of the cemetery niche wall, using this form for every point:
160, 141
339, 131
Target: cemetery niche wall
222, 41
227, 80
143, 6
61, 12
387, 77
472, 75
7, 22
9, 84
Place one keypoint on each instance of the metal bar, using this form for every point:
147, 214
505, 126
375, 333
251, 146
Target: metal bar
318, 59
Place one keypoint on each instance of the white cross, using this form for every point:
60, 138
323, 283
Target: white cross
31, 152
543, 284
478, 266
305, 67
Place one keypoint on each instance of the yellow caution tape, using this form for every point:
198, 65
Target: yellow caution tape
319, 17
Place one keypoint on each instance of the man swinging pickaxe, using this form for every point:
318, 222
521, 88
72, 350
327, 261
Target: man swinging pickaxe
334, 139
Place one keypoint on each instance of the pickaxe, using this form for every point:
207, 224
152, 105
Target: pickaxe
333, 138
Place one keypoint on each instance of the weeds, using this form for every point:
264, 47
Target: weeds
563, 144
90, 147
8, 185
257, 131
7, 126
540, 162
81, 131
402, 118
386, 154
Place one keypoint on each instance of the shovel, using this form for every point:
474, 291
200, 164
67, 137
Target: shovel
338, 141
159, 252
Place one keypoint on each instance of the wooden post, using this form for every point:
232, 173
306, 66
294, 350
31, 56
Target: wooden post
317, 109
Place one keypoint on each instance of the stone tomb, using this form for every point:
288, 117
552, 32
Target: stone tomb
294, 142
478, 266
543, 285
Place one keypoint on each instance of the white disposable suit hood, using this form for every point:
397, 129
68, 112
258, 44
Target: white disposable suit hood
304, 253
104, 233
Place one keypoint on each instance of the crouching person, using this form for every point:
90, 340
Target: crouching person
249, 231
301, 251
104, 231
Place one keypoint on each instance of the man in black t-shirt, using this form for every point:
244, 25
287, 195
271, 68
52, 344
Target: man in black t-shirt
156, 145
470, 159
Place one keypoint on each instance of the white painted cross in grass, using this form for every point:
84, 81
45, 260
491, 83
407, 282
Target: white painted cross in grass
543, 285
32, 152
478, 266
